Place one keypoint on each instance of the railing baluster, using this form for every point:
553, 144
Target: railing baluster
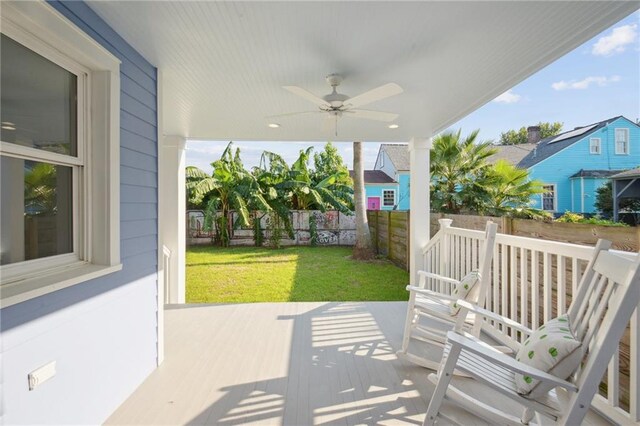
575, 275
524, 313
535, 285
513, 282
496, 279
562, 284
504, 283
547, 286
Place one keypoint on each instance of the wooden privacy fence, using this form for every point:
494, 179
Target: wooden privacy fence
390, 235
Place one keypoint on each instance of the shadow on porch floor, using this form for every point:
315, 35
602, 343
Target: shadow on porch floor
285, 363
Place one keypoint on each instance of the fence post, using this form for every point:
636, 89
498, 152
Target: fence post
376, 212
389, 254
507, 225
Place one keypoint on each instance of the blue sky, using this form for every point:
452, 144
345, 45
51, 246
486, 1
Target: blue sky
596, 81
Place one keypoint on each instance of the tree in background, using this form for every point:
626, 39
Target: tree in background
229, 187
302, 188
507, 191
516, 137
363, 248
329, 162
457, 168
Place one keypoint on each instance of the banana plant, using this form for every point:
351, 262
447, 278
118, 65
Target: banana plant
229, 187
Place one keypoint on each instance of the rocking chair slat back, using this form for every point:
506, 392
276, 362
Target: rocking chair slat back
610, 304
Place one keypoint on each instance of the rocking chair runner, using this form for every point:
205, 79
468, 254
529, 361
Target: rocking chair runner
608, 294
435, 306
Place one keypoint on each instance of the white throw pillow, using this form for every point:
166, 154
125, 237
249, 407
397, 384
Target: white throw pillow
467, 289
552, 348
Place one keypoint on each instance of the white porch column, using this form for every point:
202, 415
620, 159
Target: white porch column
419, 203
172, 212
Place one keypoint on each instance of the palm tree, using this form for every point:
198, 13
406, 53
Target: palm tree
456, 165
363, 248
229, 187
508, 191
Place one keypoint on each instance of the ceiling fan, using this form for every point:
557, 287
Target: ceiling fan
336, 105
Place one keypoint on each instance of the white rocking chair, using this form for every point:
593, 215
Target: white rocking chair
608, 294
436, 306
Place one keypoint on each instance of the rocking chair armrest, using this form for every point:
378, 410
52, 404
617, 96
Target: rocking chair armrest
430, 293
470, 307
438, 277
472, 344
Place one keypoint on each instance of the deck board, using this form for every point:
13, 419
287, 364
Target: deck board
286, 363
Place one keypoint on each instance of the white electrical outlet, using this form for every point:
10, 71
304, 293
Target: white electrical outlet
41, 375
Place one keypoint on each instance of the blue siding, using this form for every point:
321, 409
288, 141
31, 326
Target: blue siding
560, 167
101, 333
373, 190
403, 191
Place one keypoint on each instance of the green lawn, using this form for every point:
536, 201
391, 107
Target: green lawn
292, 274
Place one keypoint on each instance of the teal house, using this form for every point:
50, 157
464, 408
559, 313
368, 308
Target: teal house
387, 185
574, 164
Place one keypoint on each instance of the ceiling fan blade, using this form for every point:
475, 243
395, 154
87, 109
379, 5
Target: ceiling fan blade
382, 92
307, 95
372, 115
289, 114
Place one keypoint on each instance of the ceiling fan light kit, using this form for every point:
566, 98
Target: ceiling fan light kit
337, 105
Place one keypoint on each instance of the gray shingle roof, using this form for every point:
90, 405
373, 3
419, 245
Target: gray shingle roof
512, 153
629, 174
374, 176
546, 147
398, 154
595, 173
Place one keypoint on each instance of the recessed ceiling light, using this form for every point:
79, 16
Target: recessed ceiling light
393, 126
8, 127
8, 123
274, 125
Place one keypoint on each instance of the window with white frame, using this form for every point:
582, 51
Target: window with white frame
594, 146
59, 154
389, 197
622, 141
549, 198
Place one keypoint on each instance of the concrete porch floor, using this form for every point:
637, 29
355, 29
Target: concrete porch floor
286, 363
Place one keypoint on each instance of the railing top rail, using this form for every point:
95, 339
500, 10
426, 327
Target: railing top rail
555, 247
432, 242
463, 232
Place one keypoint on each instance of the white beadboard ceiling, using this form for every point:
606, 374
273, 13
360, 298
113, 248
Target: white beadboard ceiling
224, 63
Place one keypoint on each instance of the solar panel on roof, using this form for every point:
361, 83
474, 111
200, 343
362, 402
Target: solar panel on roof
573, 133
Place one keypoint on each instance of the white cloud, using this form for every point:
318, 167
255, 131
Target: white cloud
617, 41
585, 83
508, 97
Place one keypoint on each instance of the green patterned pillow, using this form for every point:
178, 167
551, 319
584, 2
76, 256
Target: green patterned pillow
552, 348
467, 289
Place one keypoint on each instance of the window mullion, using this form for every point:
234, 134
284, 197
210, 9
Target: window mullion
34, 154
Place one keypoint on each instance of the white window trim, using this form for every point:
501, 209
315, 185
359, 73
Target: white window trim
43, 29
394, 198
555, 198
595, 142
615, 141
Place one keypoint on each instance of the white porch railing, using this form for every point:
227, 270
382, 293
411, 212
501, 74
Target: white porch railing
533, 281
